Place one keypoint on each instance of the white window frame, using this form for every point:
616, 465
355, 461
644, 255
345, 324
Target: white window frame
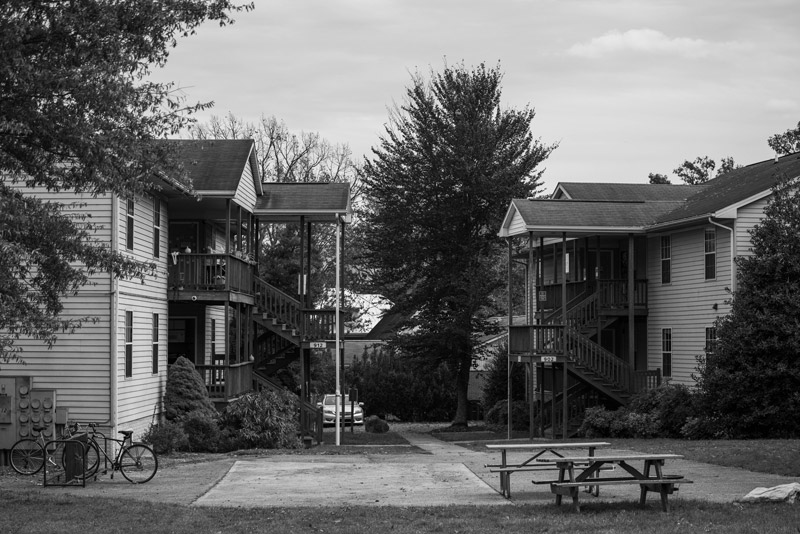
130, 226
666, 259
666, 352
710, 253
128, 344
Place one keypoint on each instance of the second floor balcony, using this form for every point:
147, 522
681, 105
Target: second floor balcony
207, 275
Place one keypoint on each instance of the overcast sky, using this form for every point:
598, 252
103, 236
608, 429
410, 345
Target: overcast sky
625, 87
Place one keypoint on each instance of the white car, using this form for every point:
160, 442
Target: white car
353, 412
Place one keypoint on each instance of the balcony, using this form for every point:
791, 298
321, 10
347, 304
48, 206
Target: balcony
209, 276
612, 294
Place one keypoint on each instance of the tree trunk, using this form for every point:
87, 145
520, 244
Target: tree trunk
462, 387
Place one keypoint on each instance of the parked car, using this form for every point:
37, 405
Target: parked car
353, 412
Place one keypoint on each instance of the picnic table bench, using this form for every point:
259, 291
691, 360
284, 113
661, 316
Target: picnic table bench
574, 472
504, 469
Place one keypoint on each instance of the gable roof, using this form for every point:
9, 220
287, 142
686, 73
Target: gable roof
217, 165
583, 209
316, 201
613, 191
734, 187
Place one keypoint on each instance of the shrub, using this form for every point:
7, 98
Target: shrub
185, 392
376, 425
497, 416
202, 432
165, 437
495, 387
598, 422
263, 420
670, 405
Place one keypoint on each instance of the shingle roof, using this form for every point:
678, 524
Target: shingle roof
565, 214
606, 191
215, 164
734, 187
616, 207
314, 200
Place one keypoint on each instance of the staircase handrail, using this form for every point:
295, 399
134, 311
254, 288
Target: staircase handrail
607, 365
278, 304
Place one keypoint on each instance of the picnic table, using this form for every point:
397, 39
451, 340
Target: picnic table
574, 472
538, 450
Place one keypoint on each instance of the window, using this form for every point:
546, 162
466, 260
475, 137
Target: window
666, 351
711, 253
156, 227
666, 259
129, 234
155, 343
128, 344
711, 339
213, 338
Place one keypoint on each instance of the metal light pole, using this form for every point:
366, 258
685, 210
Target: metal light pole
337, 356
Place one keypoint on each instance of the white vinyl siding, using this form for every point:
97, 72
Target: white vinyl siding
687, 304
246, 192
748, 217
142, 390
78, 365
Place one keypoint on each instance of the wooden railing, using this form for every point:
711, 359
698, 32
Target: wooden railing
227, 381
612, 369
312, 324
614, 293
536, 339
644, 380
209, 272
278, 304
319, 324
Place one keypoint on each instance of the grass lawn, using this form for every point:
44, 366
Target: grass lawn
51, 512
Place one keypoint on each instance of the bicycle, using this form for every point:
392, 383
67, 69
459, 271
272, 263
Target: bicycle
29, 455
136, 461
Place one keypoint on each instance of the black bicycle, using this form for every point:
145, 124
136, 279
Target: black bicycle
29, 455
136, 461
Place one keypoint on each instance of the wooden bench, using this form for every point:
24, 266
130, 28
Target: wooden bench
589, 467
504, 469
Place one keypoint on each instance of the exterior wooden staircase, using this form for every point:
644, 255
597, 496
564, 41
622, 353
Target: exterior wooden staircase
599, 377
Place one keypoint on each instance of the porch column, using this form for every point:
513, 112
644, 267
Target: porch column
564, 341
308, 266
302, 275
530, 284
508, 345
631, 319
228, 226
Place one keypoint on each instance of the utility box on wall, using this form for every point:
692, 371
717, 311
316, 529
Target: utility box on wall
22, 408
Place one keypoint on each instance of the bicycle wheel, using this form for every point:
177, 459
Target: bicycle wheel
27, 456
138, 463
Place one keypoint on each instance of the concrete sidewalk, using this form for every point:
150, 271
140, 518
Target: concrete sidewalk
442, 474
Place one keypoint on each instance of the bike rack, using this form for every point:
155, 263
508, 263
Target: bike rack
69, 459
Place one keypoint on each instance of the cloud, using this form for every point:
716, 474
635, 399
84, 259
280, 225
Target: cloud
782, 104
648, 41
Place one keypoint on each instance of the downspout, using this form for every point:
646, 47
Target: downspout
733, 249
113, 320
